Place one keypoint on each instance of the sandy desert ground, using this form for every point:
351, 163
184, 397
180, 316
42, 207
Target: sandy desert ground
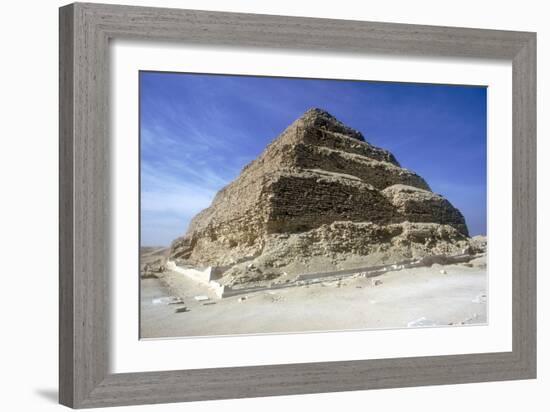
450, 295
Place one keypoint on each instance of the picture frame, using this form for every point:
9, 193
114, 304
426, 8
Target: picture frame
85, 33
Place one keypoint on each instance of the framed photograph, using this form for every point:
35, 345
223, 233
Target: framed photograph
256, 205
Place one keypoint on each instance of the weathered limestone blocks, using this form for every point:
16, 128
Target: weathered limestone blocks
417, 205
379, 174
346, 245
319, 191
302, 201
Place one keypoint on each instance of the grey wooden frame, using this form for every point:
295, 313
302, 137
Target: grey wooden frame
85, 31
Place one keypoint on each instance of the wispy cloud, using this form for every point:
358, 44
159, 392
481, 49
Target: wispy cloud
168, 203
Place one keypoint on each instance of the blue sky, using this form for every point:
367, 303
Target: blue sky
198, 131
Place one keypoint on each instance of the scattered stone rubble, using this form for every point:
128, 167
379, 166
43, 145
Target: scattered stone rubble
152, 270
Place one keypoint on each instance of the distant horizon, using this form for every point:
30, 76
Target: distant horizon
198, 131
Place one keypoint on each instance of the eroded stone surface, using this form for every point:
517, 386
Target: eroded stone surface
319, 196
418, 205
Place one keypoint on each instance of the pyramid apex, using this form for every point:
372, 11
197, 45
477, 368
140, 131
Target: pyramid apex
317, 117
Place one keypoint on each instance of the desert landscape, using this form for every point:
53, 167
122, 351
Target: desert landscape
322, 231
